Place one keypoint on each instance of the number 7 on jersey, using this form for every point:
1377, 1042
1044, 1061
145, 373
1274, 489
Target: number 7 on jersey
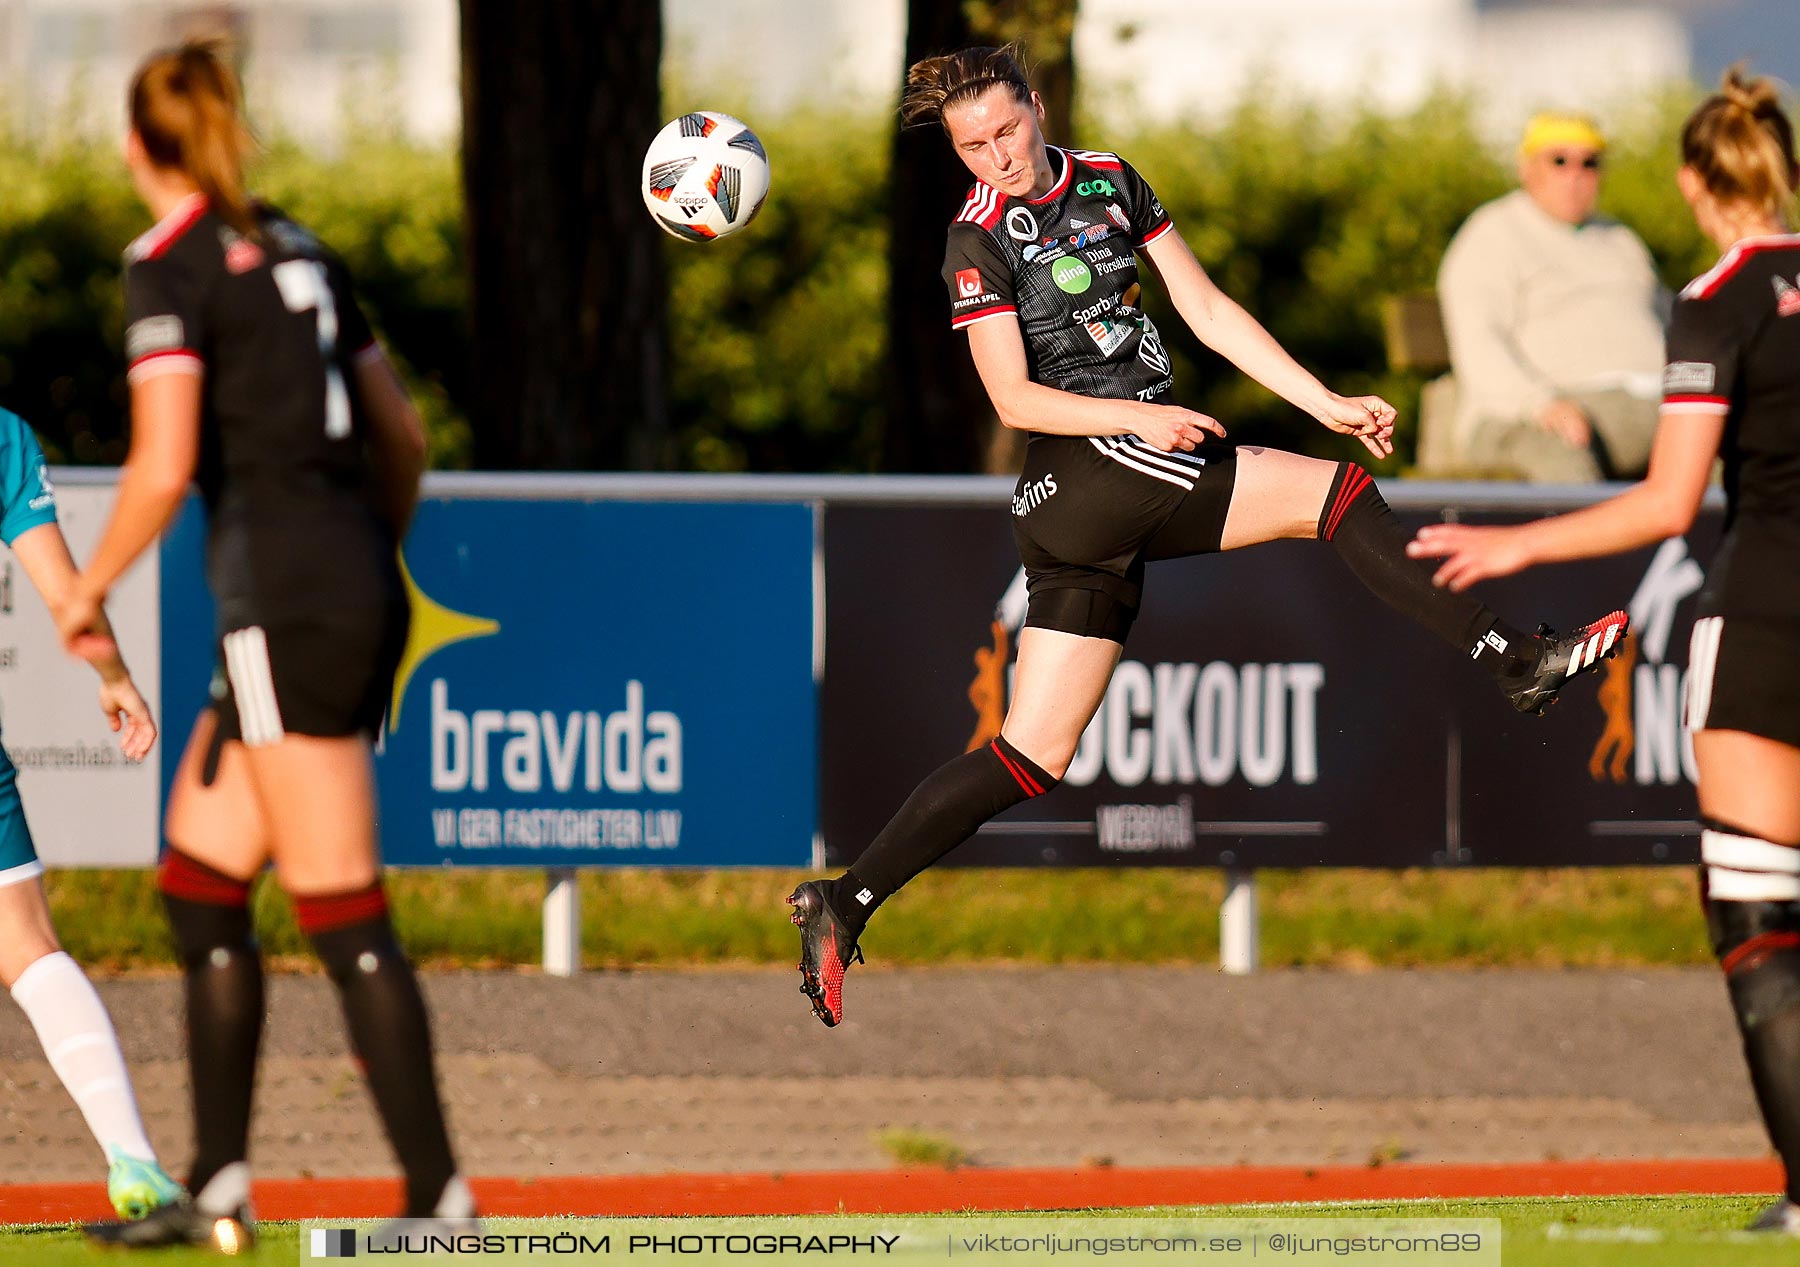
304, 287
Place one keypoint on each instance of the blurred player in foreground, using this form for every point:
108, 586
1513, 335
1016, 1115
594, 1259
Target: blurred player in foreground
1731, 389
70, 1020
1042, 271
252, 365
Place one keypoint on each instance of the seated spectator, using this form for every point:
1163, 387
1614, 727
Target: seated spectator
1555, 321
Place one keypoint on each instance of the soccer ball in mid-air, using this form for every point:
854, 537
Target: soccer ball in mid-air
705, 176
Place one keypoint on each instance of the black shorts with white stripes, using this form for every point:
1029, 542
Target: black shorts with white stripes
328, 676
1089, 512
1744, 674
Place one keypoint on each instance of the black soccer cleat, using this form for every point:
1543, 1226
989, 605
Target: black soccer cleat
1782, 1218
1560, 658
180, 1223
827, 948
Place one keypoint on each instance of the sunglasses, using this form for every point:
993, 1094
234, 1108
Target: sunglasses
1591, 163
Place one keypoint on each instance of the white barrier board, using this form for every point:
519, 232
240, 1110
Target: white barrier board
87, 805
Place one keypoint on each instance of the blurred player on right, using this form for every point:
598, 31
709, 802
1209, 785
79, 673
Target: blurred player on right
1732, 390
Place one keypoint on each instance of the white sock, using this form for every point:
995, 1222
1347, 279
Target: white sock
78, 1037
226, 1192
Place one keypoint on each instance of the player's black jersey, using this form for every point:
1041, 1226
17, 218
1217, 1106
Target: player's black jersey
1734, 349
1064, 264
272, 327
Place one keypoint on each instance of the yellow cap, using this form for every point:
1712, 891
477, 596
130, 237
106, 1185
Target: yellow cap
1552, 129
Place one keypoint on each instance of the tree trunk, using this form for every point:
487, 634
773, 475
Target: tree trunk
567, 284
939, 418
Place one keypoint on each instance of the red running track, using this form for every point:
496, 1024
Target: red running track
935, 1191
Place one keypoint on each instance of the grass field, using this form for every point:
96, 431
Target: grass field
1322, 918
1571, 1232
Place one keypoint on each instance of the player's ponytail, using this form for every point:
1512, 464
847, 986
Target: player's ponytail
937, 84
1742, 144
186, 108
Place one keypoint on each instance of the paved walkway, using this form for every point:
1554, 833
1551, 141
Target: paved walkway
720, 1071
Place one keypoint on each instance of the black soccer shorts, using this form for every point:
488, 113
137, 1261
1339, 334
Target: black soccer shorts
327, 676
1744, 674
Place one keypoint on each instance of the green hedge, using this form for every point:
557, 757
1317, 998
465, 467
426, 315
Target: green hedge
777, 336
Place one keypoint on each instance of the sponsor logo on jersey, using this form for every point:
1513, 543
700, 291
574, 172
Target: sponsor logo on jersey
153, 334
1035, 494
1096, 310
1109, 335
1116, 214
975, 301
1787, 297
1021, 224
1094, 257
968, 283
1032, 251
1099, 185
1113, 266
1071, 275
1091, 234
1151, 351
1689, 376
1079, 224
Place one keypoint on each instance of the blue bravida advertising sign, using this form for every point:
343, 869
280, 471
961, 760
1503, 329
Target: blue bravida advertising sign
604, 683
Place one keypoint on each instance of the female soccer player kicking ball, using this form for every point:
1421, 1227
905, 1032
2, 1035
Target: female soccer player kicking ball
1042, 273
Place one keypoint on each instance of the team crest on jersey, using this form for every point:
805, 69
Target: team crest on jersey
1116, 214
241, 254
1021, 225
1787, 297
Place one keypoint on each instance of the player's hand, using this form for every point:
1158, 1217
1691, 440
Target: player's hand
1470, 553
79, 624
1169, 428
1567, 422
1369, 418
127, 714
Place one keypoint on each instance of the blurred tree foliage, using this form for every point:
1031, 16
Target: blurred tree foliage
392, 210
777, 335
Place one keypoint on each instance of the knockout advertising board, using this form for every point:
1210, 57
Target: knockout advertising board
1268, 711
587, 682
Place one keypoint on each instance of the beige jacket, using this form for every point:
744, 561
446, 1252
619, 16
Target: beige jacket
1534, 307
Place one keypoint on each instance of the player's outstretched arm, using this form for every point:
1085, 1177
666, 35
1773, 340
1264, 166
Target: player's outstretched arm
999, 352
396, 438
44, 554
1664, 505
1222, 324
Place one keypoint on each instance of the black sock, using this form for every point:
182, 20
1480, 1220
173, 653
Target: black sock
942, 812
1758, 945
389, 1031
209, 914
1358, 524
